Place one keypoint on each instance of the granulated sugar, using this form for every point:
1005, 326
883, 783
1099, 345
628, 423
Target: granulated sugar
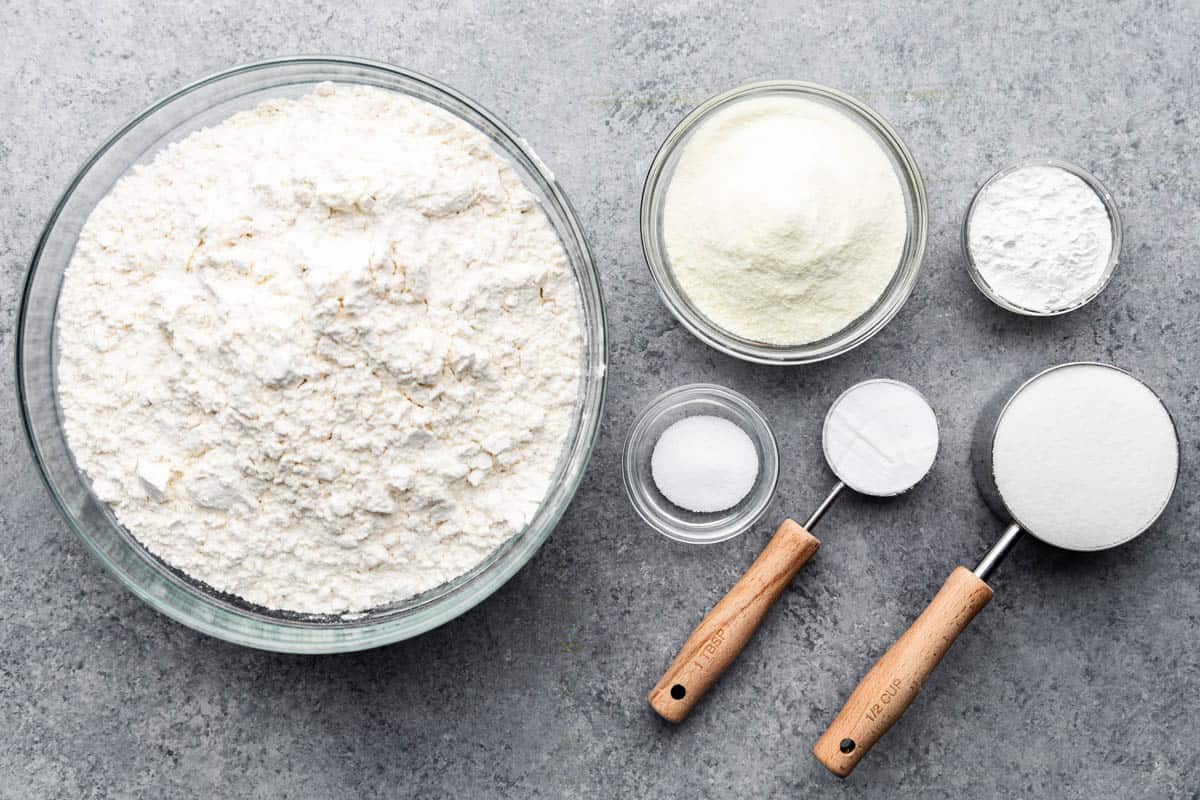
1085, 457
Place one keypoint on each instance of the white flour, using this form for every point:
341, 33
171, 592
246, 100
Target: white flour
1041, 238
881, 437
784, 220
324, 355
1085, 457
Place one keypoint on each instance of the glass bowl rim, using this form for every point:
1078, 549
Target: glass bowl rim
864, 327
1114, 218
497, 569
746, 410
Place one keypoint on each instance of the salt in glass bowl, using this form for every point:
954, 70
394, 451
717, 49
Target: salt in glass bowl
660, 513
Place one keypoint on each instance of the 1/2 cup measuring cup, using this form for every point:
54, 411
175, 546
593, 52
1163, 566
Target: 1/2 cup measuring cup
1083, 456
880, 437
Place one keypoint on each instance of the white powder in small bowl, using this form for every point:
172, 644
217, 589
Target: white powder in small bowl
1041, 239
704, 464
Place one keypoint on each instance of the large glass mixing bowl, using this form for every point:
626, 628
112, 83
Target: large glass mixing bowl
205, 103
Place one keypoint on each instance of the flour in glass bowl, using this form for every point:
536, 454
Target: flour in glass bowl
324, 355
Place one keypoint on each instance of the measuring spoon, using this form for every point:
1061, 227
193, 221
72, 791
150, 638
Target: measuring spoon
1078, 413
880, 438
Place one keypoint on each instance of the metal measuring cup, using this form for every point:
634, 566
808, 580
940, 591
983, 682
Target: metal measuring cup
882, 696
728, 627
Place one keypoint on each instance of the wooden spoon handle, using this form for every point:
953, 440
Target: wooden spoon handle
726, 629
885, 692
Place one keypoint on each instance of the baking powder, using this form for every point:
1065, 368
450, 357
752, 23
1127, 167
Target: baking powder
881, 437
324, 355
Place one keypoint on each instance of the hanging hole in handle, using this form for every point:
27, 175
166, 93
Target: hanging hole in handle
847, 745
678, 692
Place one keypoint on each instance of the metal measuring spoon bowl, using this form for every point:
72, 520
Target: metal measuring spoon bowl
880, 437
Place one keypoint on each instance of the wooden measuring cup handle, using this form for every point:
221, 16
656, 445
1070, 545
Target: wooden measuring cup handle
886, 691
726, 629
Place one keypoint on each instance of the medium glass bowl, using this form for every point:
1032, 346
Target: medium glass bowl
205, 103
860, 330
1114, 219
660, 513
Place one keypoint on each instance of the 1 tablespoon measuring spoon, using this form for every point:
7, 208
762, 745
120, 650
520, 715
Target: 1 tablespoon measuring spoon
1083, 456
880, 438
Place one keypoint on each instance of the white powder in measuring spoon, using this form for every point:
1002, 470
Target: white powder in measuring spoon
880, 437
704, 464
1085, 457
784, 220
1041, 238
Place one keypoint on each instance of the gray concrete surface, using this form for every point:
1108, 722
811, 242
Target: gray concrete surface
1078, 681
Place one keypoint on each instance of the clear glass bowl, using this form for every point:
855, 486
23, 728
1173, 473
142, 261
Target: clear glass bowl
660, 513
205, 103
1114, 218
859, 331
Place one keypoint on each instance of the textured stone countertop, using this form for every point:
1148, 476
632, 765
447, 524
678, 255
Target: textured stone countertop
1078, 681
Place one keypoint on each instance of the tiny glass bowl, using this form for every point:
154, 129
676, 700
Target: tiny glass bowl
1114, 219
698, 399
874, 319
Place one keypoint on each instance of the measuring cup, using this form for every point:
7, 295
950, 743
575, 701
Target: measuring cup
1075, 419
880, 437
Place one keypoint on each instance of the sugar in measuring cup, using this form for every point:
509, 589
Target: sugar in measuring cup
1083, 456
880, 438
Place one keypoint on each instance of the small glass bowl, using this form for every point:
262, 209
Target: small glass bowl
660, 513
1114, 219
890, 301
